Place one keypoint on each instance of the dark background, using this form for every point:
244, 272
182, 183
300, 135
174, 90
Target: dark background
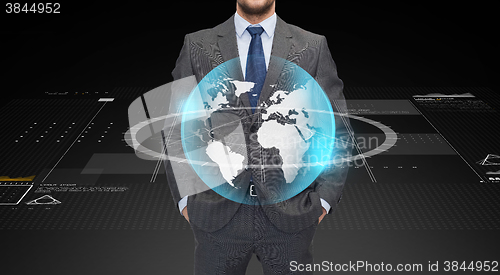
93, 45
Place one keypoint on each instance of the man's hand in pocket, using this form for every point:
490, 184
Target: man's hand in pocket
320, 217
185, 213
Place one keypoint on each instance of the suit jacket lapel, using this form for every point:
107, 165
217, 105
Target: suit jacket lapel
226, 40
229, 50
279, 53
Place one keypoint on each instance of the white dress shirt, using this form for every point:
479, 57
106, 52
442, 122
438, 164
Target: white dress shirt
243, 39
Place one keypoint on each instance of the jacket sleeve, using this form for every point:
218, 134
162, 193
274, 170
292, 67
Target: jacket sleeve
330, 182
182, 69
183, 66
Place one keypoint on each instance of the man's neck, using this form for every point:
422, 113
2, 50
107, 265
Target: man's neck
255, 18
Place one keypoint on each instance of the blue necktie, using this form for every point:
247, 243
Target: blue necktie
256, 65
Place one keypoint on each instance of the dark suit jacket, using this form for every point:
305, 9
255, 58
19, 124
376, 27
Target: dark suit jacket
206, 49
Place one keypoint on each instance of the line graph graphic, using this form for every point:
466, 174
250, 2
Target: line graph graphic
490, 159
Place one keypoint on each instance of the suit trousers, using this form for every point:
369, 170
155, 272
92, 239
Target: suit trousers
229, 249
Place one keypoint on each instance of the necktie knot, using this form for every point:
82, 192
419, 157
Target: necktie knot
255, 30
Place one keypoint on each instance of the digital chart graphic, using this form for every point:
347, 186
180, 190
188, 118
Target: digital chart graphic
93, 157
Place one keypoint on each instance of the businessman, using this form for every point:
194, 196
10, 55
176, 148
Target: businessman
227, 232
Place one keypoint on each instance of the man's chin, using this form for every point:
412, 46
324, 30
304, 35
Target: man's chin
255, 9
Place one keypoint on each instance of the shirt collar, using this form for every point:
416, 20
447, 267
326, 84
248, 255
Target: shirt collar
269, 25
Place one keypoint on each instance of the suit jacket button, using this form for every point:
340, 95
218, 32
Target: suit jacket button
253, 129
